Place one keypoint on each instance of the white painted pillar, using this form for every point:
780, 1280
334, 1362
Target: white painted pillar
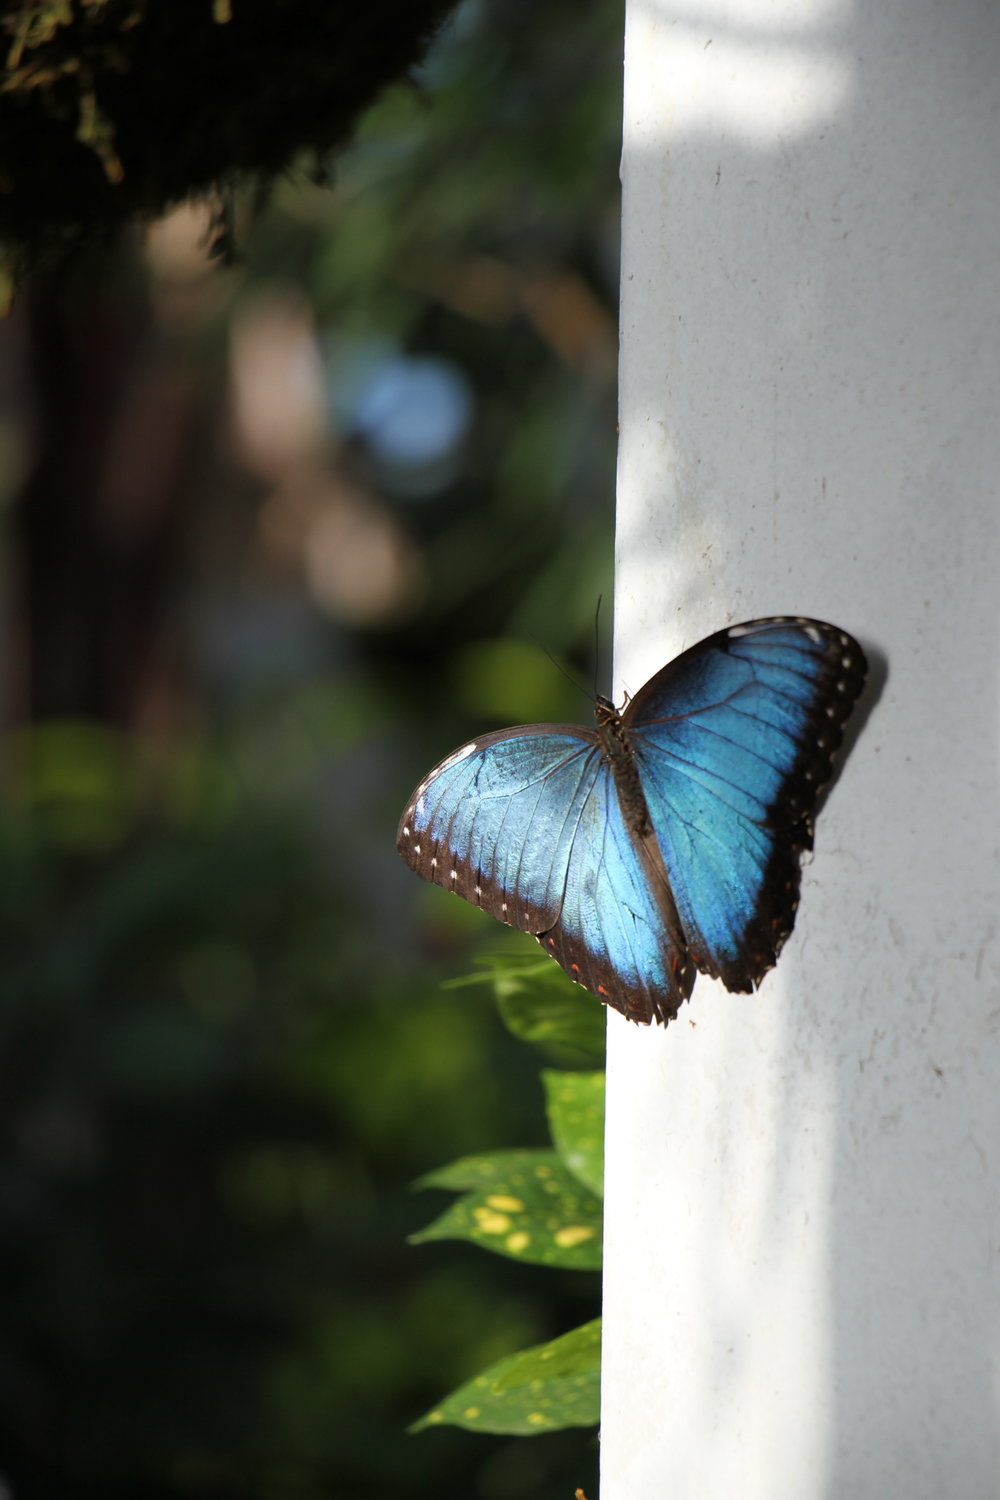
803, 1186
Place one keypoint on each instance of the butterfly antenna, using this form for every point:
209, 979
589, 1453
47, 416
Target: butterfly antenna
558, 665
597, 645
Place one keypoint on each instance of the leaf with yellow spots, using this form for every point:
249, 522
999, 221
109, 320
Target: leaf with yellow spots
552, 1385
524, 1204
575, 1106
482, 1171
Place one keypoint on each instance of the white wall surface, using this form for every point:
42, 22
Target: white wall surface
803, 1186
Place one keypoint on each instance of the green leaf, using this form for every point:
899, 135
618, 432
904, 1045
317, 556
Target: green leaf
503, 972
524, 1204
539, 1004
575, 1106
553, 1385
559, 1014
486, 1170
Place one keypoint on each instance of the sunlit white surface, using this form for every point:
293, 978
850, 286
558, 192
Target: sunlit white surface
761, 86
803, 1242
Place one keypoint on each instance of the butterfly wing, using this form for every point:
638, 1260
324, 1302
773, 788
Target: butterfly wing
526, 824
734, 742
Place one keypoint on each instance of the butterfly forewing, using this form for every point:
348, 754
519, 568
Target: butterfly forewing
495, 822
734, 742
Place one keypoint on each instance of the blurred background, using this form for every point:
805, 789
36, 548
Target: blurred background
278, 536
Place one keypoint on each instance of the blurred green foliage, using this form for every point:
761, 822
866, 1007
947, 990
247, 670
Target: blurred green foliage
225, 1046
477, 220
213, 1100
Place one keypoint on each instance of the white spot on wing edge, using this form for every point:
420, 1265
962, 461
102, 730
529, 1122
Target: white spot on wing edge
457, 757
757, 627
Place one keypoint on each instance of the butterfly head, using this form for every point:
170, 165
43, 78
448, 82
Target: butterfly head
604, 711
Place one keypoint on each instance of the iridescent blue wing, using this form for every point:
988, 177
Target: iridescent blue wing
734, 742
526, 823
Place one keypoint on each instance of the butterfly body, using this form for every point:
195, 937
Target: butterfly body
620, 756
668, 839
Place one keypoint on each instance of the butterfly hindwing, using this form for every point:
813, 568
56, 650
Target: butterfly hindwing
734, 742
526, 823
616, 931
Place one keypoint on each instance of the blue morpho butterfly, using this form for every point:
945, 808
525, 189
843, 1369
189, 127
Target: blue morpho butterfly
667, 840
